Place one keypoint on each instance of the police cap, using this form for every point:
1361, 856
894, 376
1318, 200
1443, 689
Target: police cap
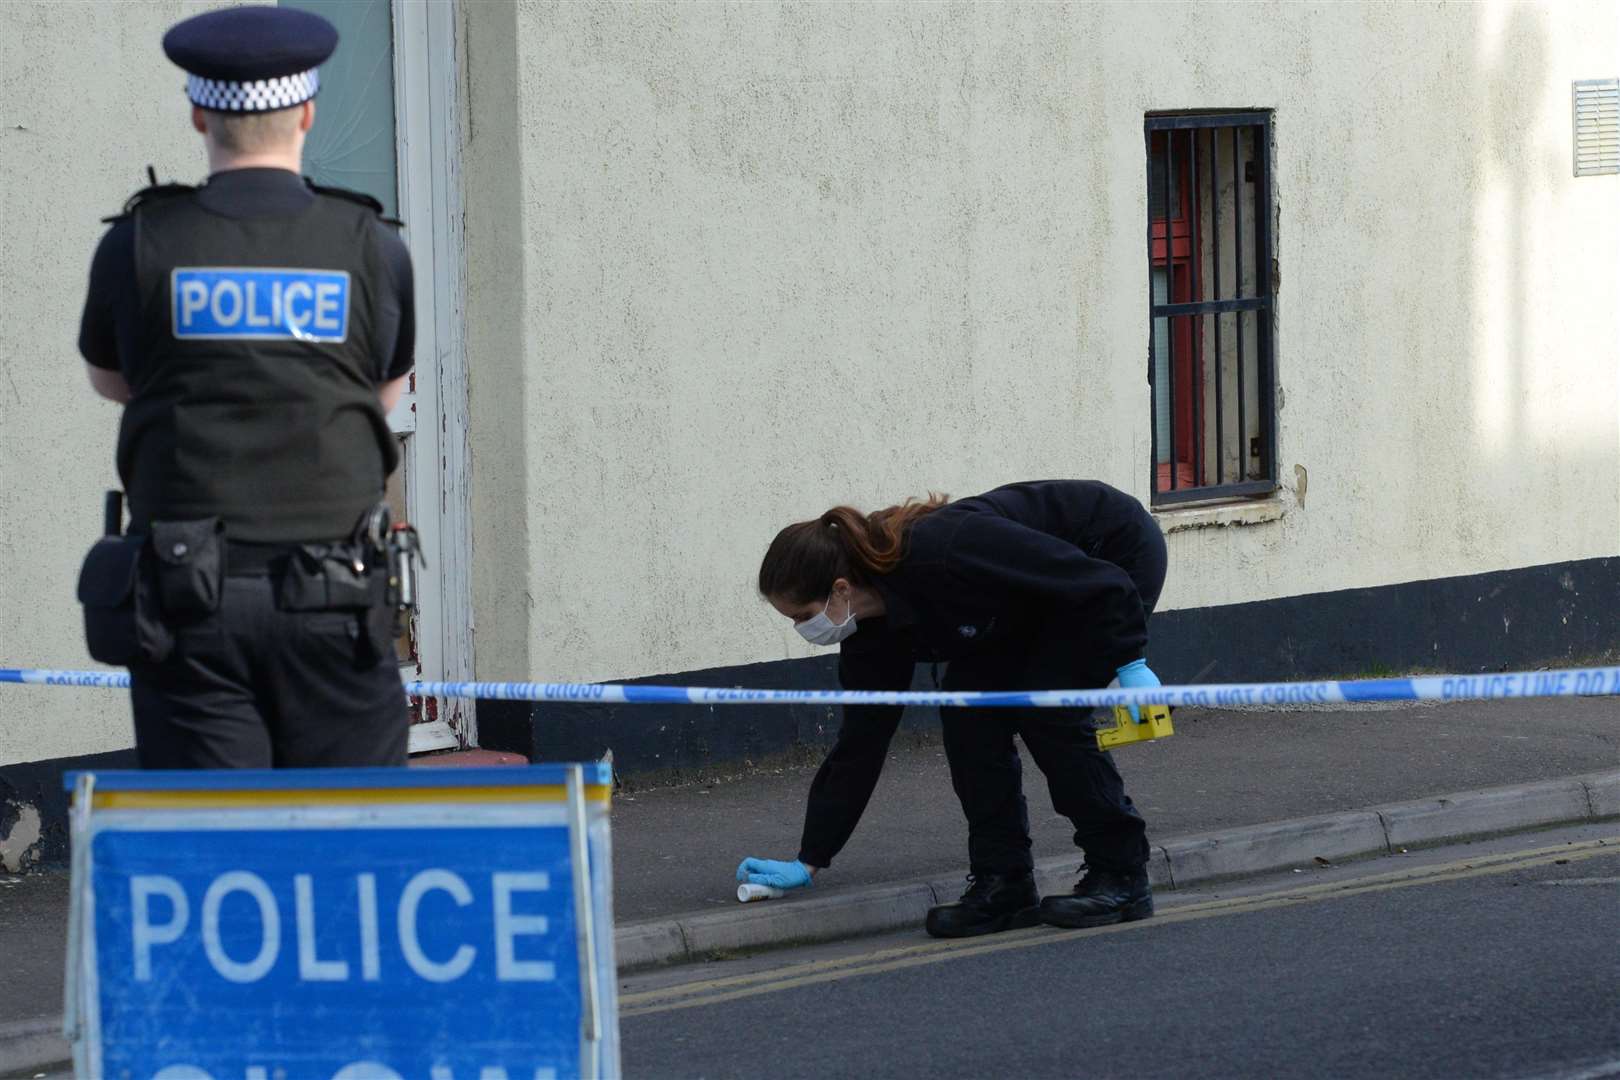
251, 59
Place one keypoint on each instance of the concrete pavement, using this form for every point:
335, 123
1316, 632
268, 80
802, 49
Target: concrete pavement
675, 849
1177, 863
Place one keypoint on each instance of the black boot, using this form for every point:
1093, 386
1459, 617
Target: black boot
992, 903
1102, 897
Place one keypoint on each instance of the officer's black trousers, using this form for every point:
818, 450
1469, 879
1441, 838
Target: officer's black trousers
254, 687
986, 770
1086, 788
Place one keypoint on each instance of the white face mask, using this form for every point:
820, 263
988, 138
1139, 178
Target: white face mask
821, 630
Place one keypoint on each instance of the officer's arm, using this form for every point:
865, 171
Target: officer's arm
112, 281
843, 785
391, 391
109, 384
398, 337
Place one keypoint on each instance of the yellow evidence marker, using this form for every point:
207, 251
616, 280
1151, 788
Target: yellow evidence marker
1155, 725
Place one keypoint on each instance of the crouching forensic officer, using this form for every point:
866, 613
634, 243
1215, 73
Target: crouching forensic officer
1032, 586
257, 330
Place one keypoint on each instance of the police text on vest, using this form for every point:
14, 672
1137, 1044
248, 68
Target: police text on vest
259, 304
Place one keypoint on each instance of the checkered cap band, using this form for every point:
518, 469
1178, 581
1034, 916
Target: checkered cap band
261, 95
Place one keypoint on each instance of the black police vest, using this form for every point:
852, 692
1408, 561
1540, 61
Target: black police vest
256, 398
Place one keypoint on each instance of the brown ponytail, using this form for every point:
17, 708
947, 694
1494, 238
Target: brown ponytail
806, 558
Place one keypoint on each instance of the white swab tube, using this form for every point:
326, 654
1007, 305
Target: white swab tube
745, 893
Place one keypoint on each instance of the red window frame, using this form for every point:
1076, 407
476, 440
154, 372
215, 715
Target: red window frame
1186, 286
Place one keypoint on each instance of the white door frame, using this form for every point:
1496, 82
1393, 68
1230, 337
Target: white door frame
435, 409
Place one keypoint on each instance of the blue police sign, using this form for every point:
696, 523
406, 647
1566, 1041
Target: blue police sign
229, 302
344, 924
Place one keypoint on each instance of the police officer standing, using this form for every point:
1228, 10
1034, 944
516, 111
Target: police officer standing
1034, 586
257, 329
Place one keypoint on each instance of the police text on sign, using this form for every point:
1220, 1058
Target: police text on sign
161, 914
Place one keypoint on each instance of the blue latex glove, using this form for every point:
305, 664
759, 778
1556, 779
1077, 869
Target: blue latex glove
778, 875
1135, 674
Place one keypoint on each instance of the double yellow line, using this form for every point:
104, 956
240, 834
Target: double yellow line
718, 991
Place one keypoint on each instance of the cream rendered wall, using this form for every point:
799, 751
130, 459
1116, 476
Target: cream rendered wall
747, 261
87, 101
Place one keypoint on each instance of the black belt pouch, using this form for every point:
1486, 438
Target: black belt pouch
122, 621
190, 558
324, 577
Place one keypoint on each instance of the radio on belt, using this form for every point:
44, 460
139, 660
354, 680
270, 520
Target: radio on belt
404, 550
399, 542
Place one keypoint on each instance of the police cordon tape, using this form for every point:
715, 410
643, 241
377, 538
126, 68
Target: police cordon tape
1565, 682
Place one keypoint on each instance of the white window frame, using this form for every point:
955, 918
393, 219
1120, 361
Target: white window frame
435, 410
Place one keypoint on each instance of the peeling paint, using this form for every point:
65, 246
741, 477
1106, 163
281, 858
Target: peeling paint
19, 847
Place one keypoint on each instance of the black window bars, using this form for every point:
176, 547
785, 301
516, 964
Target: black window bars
1210, 355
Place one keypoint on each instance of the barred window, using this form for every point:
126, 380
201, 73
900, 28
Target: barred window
1210, 262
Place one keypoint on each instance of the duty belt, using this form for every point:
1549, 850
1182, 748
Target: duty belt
245, 559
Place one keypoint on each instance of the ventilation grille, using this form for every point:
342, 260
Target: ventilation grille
1597, 127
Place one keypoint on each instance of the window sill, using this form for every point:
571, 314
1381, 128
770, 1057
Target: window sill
1221, 515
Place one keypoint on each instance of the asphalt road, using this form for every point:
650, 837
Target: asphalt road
1491, 960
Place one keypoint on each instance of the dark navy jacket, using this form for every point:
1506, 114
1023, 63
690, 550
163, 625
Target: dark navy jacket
996, 573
